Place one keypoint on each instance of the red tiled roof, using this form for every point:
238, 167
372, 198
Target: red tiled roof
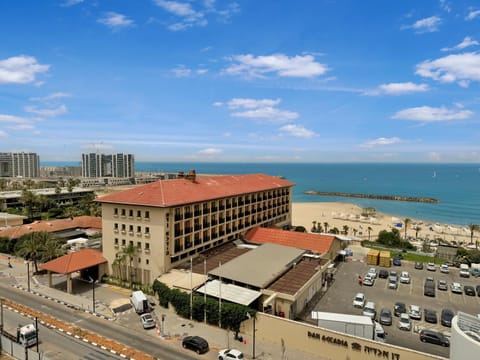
75, 261
314, 242
165, 193
83, 222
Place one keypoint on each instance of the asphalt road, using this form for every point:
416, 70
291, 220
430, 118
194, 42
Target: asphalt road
340, 296
138, 340
54, 344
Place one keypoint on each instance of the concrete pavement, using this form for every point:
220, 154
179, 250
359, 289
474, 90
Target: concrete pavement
172, 329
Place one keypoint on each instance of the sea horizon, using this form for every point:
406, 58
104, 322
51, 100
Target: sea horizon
453, 184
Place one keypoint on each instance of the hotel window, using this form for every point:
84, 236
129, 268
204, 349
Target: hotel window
147, 230
123, 212
147, 246
130, 213
139, 229
115, 242
123, 227
115, 226
147, 214
123, 242
139, 245
130, 243
115, 211
139, 214
146, 261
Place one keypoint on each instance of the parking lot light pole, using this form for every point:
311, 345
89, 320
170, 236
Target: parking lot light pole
253, 342
28, 274
93, 282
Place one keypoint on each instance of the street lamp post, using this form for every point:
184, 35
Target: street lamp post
93, 282
254, 330
28, 274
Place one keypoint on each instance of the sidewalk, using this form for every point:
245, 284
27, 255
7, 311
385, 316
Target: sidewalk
172, 329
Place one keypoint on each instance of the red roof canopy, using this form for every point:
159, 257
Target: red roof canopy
166, 193
75, 261
314, 242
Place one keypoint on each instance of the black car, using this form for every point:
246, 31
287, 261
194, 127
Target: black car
434, 337
399, 308
385, 317
419, 265
383, 274
469, 290
446, 317
430, 316
429, 287
195, 343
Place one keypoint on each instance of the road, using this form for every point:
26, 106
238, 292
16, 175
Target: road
54, 344
148, 344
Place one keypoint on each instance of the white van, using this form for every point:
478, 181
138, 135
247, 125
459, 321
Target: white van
464, 270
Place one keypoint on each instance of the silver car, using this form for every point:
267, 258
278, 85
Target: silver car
405, 323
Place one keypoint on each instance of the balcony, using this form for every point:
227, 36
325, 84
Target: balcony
115, 246
147, 251
115, 216
130, 233
147, 235
124, 232
139, 233
115, 231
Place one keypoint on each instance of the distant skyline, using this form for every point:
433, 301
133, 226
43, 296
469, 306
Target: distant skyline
241, 81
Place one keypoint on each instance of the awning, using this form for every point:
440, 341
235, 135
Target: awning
229, 292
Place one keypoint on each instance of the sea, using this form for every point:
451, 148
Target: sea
456, 186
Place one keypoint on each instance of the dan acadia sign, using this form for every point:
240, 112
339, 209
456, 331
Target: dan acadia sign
369, 350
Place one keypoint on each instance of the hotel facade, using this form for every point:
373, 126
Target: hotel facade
22, 164
170, 221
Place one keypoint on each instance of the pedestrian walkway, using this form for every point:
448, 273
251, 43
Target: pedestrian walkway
173, 327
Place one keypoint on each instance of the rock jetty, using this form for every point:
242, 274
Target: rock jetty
373, 196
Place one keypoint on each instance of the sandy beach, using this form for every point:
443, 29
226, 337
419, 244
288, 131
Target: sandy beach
340, 214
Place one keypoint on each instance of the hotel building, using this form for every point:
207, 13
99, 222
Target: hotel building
102, 165
19, 165
169, 221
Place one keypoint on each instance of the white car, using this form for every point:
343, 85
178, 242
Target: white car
405, 277
359, 300
368, 280
405, 323
370, 310
431, 267
444, 268
372, 272
456, 288
415, 312
232, 354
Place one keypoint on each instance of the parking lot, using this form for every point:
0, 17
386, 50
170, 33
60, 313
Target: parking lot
340, 296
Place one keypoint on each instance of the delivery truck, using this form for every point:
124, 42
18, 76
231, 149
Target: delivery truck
139, 302
357, 325
25, 335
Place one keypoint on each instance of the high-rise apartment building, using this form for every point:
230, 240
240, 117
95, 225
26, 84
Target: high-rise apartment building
20, 164
103, 165
169, 221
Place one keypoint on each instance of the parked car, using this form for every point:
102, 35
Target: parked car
469, 290
368, 280
464, 270
385, 317
446, 317
195, 343
430, 316
230, 354
429, 287
431, 267
434, 337
370, 310
359, 300
475, 272
456, 288
148, 322
405, 277
348, 252
399, 308
372, 272
405, 323
418, 265
392, 282
442, 285
415, 312
383, 274
444, 269
397, 261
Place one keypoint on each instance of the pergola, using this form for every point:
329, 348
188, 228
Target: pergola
73, 262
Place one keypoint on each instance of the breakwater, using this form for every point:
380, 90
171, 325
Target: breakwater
373, 196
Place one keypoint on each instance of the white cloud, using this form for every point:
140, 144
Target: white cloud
218, 103
202, 71
60, 110
461, 68
282, 65
263, 109
3, 134
116, 21
20, 69
69, 3
472, 14
53, 96
467, 41
381, 141
20, 127
181, 71
297, 131
432, 114
13, 119
425, 25
188, 15
210, 151
445, 6
397, 89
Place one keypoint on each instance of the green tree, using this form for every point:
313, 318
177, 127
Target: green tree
29, 247
472, 228
345, 229
128, 253
406, 221
369, 229
52, 247
325, 226
314, 226
3, 184
417, 230
29, 200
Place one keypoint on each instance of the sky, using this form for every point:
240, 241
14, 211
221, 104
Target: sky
242, 81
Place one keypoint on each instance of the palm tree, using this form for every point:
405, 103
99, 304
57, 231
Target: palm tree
325, 226
128, 253
314, 226
473, 228
406, 221
355, 232
417, 230
369, 229
345, 229
30, 247
52, 248
29, 200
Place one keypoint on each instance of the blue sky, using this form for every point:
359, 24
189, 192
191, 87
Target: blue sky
246, 81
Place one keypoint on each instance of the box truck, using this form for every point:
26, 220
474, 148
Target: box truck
357, 325
140, 302
25, 335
